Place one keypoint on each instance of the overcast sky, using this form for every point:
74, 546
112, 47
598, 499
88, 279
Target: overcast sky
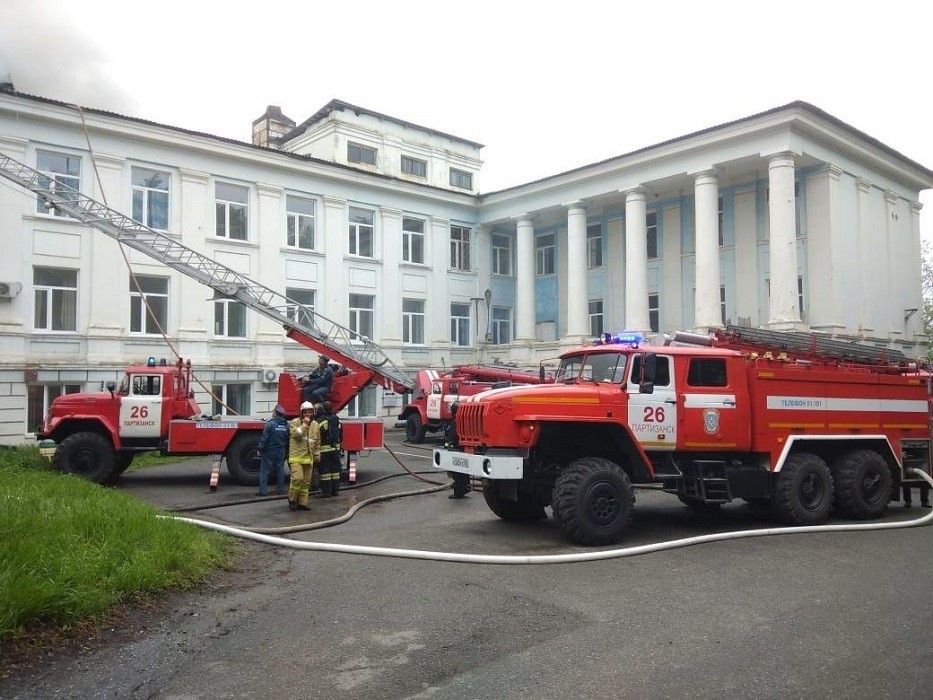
547, 86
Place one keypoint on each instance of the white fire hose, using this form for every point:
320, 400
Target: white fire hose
572, 558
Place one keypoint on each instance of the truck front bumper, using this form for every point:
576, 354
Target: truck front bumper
487, 466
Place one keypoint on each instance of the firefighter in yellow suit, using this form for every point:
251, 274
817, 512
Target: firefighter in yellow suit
304, 450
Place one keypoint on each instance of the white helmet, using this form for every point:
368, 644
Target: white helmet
307, 406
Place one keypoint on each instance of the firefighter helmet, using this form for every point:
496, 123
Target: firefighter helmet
307, 406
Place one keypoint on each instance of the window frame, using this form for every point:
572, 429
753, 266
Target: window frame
460, 325
545, 255
55, 178
361, 316
651, 235
501, 254
140, 303
295, 219
409, 169
596, 317
460, 238
497, 324
362, 149
413, 322
461, 179
49, 293
226, 305
221, 395
292, 310
357, 228
146, 193
410, 237
223, 230
46, 400
594, 246
654, 312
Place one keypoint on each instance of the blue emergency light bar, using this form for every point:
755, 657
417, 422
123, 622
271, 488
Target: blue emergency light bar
630, 338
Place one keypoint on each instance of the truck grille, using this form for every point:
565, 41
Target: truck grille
470, 422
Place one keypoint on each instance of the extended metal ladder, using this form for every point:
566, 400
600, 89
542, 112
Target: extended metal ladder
341, 341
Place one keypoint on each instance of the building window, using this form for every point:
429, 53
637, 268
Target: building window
39, 400
232, 206
596, 318
545, 253
150, 198
57, 169
148, 304
501, 325
363, 404
801, 310
361, 316
229, 319
460, 324
414, 166
361, 232
722, 220
594, 246
461, 179
651, 226
230, 399
722, 305
299, 222
460, 248
56, 298
357, 153
501, 254
302, 310
413, 321
412, 239
654, 313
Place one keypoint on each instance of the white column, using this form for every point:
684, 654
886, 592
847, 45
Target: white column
390, 297
438, 306
914, 289
707, 313
577, 308
16, 262
525, 281
782, 214
636, 262
334, 297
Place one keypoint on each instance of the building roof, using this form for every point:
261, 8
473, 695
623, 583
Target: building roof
340, 105
798, 105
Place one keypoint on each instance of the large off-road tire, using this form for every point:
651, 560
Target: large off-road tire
243, 458
89, 455
526, 508
122, 462
593, 501
863, 484
414, 430
803, 492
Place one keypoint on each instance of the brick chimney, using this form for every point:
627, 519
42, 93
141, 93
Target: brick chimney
269, 129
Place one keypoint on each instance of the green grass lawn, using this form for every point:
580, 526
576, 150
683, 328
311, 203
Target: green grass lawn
69, 548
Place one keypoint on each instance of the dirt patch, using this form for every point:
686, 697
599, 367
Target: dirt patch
133, 619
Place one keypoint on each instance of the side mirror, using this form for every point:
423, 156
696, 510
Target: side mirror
111, 387
649, 368
541, 372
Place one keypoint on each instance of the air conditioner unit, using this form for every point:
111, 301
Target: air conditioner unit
271, 375
8, 290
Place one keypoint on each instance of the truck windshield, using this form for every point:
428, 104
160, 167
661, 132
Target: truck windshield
602, 367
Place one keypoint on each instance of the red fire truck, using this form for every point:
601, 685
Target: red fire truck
97, 434
429, 408
793, 421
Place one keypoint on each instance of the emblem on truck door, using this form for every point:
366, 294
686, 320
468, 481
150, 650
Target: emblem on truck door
711, 421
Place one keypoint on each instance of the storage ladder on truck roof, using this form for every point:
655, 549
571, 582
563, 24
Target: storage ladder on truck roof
799, 346
306, 326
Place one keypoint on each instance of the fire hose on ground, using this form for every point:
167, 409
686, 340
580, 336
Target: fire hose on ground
570, 558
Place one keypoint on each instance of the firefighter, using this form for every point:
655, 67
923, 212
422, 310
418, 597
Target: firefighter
272, 448
330, 451
304, 450
461, 484
924, 495
319, 381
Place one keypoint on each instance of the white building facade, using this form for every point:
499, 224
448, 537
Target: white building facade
789, 219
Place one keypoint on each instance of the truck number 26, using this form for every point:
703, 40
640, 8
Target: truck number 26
139, 411
654, 414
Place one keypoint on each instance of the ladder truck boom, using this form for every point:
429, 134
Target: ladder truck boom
306, 326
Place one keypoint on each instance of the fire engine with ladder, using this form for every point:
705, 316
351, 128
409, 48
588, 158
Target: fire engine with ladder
798, 423
153, 408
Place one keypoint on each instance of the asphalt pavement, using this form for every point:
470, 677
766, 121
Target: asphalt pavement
834, 615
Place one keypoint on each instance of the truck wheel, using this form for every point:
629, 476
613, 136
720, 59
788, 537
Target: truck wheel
122, 462
863, 484
594, 500
414, 430
243, 459
89, 455
526, 508
803, 493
